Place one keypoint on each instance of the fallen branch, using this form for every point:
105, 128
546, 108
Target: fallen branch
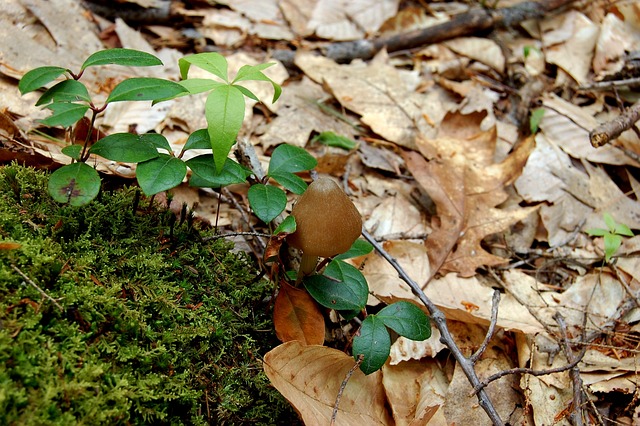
467, 364
606, 132
465, 24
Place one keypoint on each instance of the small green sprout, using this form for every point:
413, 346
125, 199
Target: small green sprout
612, 235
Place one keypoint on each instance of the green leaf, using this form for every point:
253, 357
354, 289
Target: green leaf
125, 147
331, 139
65, 114
199, 85
341, 287
248, 93
536, 118
359, 248
145, 89
612, 243
205, 174
160, 174
609, 221
374, 342
292, 159
65, 91
158, 140
349, 315
288, 225
597, 232
39, 77
254, 72
212, 62
198, 140
76, 184
290, 181
120, 56
73, 151
224, 111
266, 201
407, 320
622, 229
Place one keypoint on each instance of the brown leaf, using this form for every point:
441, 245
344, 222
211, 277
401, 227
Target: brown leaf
466, 186
310, 378
7, 245
296, 316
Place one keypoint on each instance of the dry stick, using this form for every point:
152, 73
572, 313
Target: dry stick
445, 336
574, 372
464, 24
495, 302
353, 369
606, 132
236, 234
42, 292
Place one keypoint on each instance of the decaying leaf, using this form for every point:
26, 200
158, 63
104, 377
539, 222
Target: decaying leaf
296, 316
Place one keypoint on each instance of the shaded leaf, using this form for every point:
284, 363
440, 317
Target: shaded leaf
160, 174
288, 226
341, 287
205, 174
212, 62
120, 56
359, 248
38, 77
65, 91
199, 85
224, 110
145, 89
73, 151
254, 72
125, 147
292, 159
296, 316
407, 320
65, 114
331, 139
198, 140
373, 341
290, 181
76, 184
266, 201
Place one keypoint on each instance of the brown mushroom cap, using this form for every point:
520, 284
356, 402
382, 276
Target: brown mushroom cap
327, 222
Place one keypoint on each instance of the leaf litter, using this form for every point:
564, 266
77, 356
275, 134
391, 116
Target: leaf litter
446, 175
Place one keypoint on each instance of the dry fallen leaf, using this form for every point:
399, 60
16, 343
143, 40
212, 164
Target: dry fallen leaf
310, 377
296, 316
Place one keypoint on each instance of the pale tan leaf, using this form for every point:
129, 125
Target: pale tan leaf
395, 215
480, 49
310, 377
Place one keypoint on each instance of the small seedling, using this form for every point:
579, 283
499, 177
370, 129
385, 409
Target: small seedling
612, 235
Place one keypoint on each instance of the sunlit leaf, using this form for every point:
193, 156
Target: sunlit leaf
120, 56
407, 320
224, 110
292, 159
212, 62
359, 248
145, 89
39, 77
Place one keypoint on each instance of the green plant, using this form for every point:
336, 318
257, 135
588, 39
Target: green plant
612, 236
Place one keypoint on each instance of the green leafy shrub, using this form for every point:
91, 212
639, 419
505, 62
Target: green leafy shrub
158, 325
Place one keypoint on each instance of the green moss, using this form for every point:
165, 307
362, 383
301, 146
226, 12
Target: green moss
158, 326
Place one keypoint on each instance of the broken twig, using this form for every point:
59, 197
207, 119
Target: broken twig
606, 132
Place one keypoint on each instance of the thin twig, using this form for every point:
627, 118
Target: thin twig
240, 209
34, 285
446, 338
236, 234
606, 132
353, 369
495, 303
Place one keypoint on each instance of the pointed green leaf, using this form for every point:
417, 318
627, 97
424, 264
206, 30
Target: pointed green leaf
254, 72
331, 139
125, 147
622, 229
224, 111
359, 248
39, 77
536, 118
290, 181
292, 159
609, 221
198, 140
120, 56
597, 232
612, 243
205, 174
160, 174
407, 320
212, 62
199, 85
76, 184
266, 201
65, 91
145, 89
288, 225
248, 93
73, 151
374, 342
158, 140
341, 287
65, 114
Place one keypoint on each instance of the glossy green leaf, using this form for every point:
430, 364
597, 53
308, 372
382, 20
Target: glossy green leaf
76, 184
160, 174
288, 225
65, 91
331, 139
407, 320
73, 151
292, 159
536, 118
341, 287
125, 147
145, 89
254, 72
224, 111
212, 62
158, 140
39, 77
120, 56
199, 85
205, 174
359, 248
290, 181
373, 341
198, 140
65, 114
266, 201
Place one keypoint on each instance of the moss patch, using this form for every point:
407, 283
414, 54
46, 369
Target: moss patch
157, 325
